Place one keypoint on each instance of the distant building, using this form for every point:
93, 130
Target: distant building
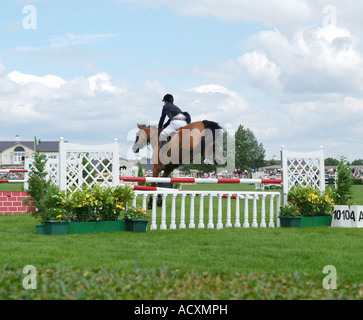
13, 153
146, 165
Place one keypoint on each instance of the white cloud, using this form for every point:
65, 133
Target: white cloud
315, 60
70, 39
100, 81
282, 14
80, 109
288, 16
228, 100
50, 81
38, 107
213, 88
262, 72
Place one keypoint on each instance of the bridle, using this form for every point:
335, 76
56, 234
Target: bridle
148, 139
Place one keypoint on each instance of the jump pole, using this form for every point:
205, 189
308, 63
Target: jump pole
199, 180
170, 190
13, 170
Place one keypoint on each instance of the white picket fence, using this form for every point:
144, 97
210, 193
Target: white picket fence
178, 219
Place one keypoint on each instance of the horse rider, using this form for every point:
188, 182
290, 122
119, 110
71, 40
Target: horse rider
177, 119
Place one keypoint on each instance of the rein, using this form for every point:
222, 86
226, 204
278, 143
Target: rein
148, 142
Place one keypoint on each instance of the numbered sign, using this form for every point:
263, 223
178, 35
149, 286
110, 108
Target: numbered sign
348, 217
356, 213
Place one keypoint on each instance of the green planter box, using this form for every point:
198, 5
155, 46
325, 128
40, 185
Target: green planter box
55, 228
307, 222
135, 225
301, 222
290, 222
323, 220
96, 226
40, 228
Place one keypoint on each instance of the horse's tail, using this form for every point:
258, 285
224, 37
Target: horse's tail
212, 126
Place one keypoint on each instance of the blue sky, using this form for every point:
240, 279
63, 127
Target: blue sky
134, 42
291, 71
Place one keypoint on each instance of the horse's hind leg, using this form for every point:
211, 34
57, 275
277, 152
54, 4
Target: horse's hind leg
166, 174
209, 153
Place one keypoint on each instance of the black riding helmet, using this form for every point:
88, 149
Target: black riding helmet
168, 98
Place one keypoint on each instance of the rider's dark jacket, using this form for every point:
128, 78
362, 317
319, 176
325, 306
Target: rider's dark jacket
170, 110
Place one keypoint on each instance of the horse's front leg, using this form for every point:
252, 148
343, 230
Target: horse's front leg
150, 203
166, 174
156, 171
160, 201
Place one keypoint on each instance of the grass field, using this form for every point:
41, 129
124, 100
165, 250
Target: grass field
233, 263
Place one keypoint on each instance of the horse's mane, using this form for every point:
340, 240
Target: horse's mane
154, 126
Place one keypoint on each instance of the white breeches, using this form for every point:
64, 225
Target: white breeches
171, 128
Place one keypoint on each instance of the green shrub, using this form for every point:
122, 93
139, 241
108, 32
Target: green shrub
40, 189
96, 204
357, 182
140, 173
289, 211
310, 201
343, 192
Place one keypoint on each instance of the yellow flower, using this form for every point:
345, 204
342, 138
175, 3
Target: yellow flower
59, 216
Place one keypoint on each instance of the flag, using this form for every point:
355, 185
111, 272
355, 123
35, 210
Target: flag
37, 142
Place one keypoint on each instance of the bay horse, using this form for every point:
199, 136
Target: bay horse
189, 143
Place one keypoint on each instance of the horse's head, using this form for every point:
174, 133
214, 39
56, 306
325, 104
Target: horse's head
142, 138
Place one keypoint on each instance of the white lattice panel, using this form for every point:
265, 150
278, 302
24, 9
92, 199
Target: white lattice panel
51, 167
86, 165
302, 168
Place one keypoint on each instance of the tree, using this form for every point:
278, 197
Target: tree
357, 162
344, 183
140, 173
272, 162
249, 153
331, 162
40, 189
